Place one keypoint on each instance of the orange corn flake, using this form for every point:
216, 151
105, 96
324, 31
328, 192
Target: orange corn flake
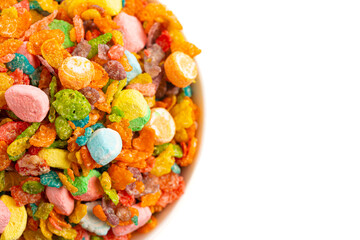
44, 136
188, 157
150, 225
99, 213
120, 177
145, 142
72, 145
125, 132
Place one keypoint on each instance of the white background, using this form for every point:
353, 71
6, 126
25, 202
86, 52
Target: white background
281, 154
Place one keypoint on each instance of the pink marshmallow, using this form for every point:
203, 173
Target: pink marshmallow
29, 103
34, 61
62, 200
94, 192
4, 216
133, 31
144, 217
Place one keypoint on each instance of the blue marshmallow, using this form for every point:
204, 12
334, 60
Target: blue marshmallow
136, 68
104, 145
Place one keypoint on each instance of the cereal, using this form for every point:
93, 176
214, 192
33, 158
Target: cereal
71, 105
180, 69
98, 118
76, 72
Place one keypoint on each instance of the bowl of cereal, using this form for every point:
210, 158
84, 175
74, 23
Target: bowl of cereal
101, 118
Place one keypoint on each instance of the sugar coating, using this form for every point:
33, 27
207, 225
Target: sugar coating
28, 103
104, 145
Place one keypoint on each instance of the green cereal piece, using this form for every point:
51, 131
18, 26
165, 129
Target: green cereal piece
59, 144
112, 194
180, 97
15, 158
35, 77
30, 131
178, 153
96, 238
44, 210
12, 115
102, 39
138, 123
2, 180
122, 84
71, 104
65, 27
52, 90
18, 146
81, 183
135, 220
32, 187
63, 128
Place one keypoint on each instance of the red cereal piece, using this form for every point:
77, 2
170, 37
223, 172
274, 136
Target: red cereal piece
34, 150
116, 52
22, 4
5, 161
172, 186
126, 199
9, 131
79, 28
31, 165
164, 41
7, 58
19, 77
32, 224
22, 198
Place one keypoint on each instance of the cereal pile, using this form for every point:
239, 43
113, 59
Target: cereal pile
96, 119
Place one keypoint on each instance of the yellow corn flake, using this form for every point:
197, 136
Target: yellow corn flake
150, 101
5, 81
78, 213
5, 120
105, 181
71, 188
164, 162
68, 233
2, 99
150, 199
142, 78
48, 5
181, 135
117, 37
183, 114
56, 158
90, 14
35, 16
10, 12
18, 146
45, 231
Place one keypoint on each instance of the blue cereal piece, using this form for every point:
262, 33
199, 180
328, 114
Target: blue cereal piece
21, 62
104, 145
188, 91
82, 140
81, 123
50, 179
136, 68
88, 132
35, 77
176, 169
34, 5
91, 223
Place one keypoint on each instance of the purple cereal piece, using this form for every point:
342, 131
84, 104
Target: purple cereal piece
47, 65
154, 33
82, 49
102, 51
91, 94
151, 62
115, 70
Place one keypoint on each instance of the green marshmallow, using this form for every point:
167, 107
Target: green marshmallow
82, 183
